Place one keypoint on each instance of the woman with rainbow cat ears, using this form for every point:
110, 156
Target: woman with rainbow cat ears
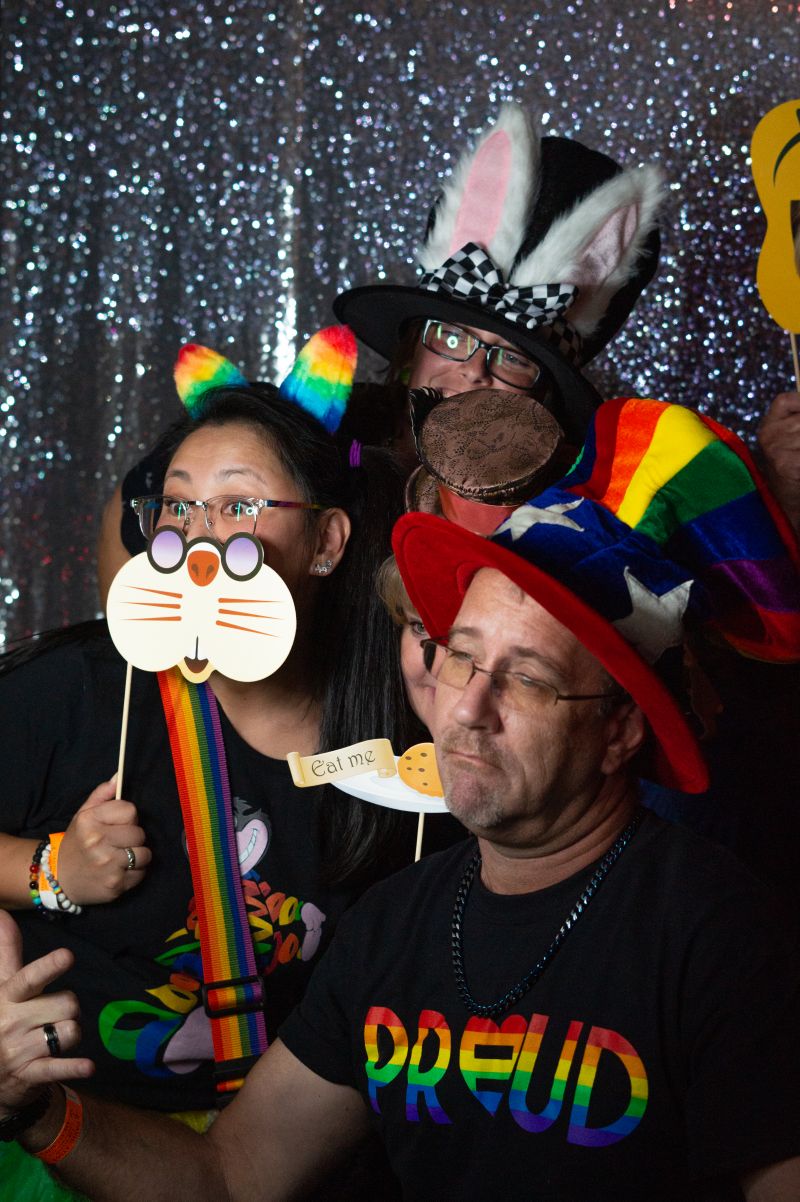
123, 899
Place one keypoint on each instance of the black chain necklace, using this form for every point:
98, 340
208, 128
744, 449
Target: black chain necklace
495, 1009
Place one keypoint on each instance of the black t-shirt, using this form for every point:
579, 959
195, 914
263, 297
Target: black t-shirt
655, 1059
137, 959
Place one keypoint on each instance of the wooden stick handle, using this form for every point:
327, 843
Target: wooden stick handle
420, 829
123, 738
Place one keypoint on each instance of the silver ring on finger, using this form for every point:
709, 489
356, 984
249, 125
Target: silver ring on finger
52, 1040
131, 854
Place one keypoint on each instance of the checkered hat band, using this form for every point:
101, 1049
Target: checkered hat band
565, 339
471, 275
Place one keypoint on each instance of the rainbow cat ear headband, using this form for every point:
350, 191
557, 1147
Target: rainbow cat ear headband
320, 381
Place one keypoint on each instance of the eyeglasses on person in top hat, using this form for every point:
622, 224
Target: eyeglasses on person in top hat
506, 363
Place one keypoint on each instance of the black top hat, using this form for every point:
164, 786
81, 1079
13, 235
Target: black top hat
540, 240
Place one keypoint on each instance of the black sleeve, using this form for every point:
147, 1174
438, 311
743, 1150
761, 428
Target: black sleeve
55, 745
317, 1031
742, 1008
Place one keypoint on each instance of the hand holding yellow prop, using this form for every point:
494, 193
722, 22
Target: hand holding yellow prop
775, 154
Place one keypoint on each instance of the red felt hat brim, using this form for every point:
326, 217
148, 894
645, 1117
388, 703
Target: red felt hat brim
437, 561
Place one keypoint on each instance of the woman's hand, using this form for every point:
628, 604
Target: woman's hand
93, 861
26, 1062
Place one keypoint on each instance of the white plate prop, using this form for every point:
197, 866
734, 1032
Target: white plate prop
392, 793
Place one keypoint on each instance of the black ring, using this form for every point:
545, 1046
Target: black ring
53, 1042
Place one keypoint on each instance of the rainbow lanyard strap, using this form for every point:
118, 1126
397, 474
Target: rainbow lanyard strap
232, 992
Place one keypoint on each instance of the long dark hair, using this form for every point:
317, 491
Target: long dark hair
358, 681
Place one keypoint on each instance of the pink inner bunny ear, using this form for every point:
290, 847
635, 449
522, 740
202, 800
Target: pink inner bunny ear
598, 262
601, 256
482, 207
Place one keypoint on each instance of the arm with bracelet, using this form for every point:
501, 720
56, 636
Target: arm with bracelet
111, 1152
101, 855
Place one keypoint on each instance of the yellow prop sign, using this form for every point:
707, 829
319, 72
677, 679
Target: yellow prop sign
775, 153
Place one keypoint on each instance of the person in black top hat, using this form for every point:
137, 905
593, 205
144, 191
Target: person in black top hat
538, 246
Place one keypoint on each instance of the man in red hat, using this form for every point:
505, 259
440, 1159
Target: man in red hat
583, 1003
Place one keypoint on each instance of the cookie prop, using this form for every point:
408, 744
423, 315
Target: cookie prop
417, 767
390, 792
371, 772
775, 156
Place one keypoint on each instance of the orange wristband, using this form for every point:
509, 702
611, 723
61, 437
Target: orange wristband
70, 1131
55, 845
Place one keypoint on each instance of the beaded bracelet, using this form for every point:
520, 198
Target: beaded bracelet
33, 881
49, 900
53, 888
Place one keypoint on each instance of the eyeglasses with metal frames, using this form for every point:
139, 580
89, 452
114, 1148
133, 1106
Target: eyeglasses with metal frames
519, 689
457, 344
223, 515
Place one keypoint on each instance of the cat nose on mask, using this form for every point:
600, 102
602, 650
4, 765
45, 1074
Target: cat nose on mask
203, 566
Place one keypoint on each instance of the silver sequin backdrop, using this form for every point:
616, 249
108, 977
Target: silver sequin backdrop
217, 171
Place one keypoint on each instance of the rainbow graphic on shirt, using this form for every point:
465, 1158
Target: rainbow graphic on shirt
496, 1065
322, 378
579, 1132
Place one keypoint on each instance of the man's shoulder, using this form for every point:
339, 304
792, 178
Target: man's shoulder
427, 877
671, 844
697, 875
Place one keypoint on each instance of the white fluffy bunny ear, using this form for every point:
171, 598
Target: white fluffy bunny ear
489, 195
597, 244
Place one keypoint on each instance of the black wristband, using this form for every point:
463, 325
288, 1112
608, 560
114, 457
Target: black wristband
14, 1125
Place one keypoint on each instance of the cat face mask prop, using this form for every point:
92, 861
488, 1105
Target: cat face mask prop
204, 606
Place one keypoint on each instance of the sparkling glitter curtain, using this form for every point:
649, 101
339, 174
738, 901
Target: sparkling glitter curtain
218, 171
